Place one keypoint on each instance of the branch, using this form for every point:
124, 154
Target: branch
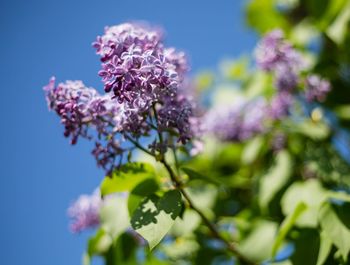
207, 222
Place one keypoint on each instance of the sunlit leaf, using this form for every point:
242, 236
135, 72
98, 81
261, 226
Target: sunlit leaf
286, 225
325, 249
335, 230
252, 150
309, 192
127, 177
114, 215
338, 29
143, 189
263, 16
156, 215
258, 245
187, 224
314, 130
275, 179
181, 248
99, 243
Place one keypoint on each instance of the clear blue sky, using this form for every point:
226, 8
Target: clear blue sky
40, 172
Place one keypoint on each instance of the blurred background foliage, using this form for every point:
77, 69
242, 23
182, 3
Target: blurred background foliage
286, 206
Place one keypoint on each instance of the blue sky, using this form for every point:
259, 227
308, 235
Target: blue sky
40, 172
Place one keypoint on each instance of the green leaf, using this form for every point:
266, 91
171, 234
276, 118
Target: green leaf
258, 245
340, 195
99, 243
114, 215
187, 224
195, 175
204, 80
325, 249
145, 188
126, 178
275, 179
333, 9
337, 31
181, 248
155, 216
309, 192
252, 150
263, 16
335, 230
235, 70
286, 225
314, 130
343, 111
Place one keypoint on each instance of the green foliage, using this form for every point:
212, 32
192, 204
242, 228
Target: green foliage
114, 216
259, 198
286, 226
275, 179
335, 231
127, 177
312, 194
155, 216
258, 244
263, 16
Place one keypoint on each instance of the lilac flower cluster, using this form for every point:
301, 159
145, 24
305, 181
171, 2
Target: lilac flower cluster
316, 88
275, 54
147, 81
84, 212
137, 67
244, 119
81, 109
280, 105
142, 73
238, 121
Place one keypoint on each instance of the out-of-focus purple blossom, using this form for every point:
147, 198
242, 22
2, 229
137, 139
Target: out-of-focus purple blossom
316, 88
84, 212
285, 78
197, 147
175, 114
136, 66
280, 105
276, 55
278, 141
273, 50
238, 121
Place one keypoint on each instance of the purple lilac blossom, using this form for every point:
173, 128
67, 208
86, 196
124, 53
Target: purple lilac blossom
142, 73
316, 88
81, 109
84, 212
275, 54
238, 121
280, 105
244, 119
148, 83
136, 66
